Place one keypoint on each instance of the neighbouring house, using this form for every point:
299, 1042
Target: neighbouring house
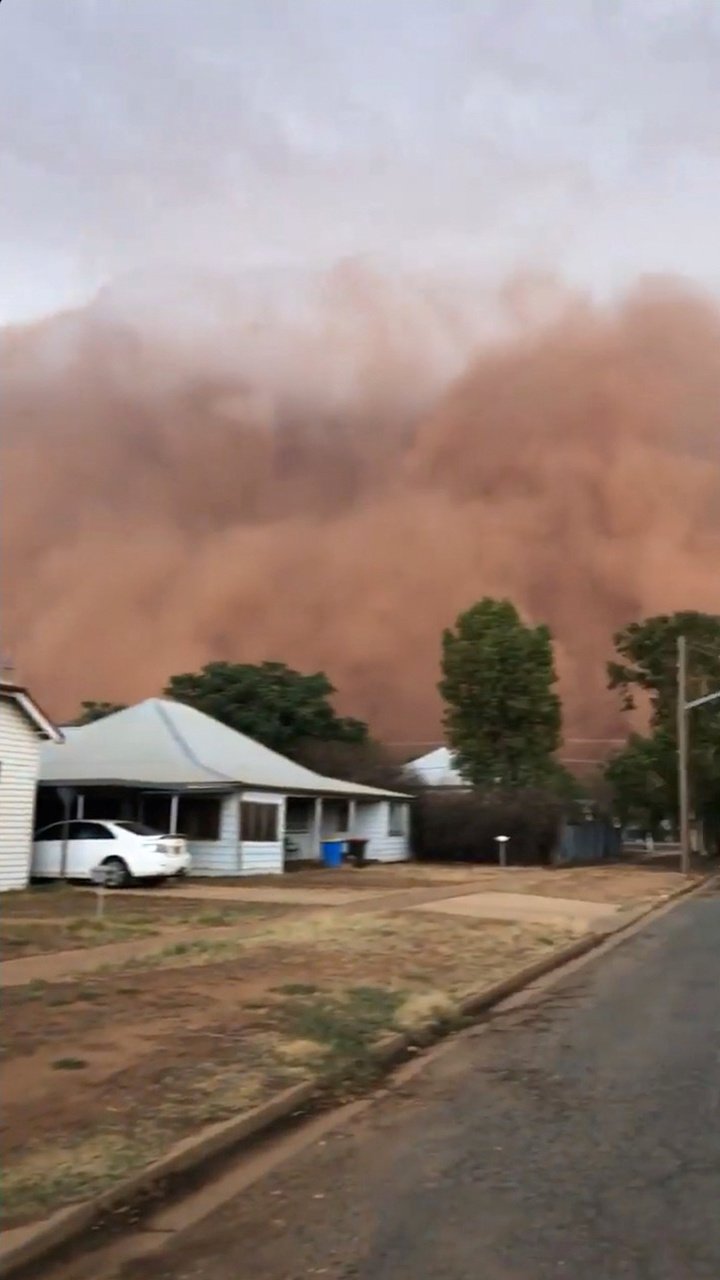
244, 809
23, 727
437, 769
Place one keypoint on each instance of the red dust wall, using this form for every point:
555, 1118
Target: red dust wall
333, 497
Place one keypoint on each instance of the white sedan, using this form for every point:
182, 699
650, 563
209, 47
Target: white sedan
127, 850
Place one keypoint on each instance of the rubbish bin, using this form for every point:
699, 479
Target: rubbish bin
332, 852
356, 846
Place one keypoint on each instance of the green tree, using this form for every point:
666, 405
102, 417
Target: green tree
503, 715
90, 711
368, 762
642, 780
269, 702
644, 774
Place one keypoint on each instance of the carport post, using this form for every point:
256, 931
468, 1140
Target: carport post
317, 828
67, 795
174, 804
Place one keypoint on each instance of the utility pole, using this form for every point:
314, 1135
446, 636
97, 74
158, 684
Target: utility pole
683, 708
682, 737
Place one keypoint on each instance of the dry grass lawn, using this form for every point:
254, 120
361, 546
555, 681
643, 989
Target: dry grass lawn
100, 1075
616, 882
60, 917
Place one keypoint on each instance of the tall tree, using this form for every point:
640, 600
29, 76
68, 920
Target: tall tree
644, 774
503, 715
270, 702
90, 711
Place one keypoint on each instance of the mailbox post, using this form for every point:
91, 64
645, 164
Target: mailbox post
502, 844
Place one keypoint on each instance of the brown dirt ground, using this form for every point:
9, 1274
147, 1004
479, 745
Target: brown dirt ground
99, 1076
617, 882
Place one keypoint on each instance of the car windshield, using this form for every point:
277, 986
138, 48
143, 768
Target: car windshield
136, 828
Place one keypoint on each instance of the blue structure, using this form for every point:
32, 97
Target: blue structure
332, 852
588, 842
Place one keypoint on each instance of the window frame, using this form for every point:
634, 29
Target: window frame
397, 819
102, 832
258, 814
212, 830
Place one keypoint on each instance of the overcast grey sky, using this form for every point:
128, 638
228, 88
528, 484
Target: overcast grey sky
468, 136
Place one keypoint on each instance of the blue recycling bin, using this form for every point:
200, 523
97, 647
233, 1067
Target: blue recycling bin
332, 852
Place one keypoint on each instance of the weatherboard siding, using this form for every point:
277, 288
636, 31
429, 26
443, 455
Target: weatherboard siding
233, 856
266, 857
219, 857
372, 822
19, 756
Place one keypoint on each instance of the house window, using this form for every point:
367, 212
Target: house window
199, 817
156, 812
259, 822
397, 818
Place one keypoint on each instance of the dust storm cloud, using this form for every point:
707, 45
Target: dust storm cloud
328, 483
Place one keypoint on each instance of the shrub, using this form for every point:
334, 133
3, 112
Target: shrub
462, 826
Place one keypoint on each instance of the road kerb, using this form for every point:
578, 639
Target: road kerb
24, 1247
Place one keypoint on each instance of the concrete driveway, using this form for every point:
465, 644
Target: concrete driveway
527, 908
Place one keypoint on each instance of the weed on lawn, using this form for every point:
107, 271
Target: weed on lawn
194, 947
89, 993
69, 1064
61, 996
345, 1025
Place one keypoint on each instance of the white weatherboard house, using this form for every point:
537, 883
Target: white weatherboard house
244, 809
23, 726
437, 769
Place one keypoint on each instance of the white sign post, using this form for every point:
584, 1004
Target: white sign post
502, 844
98, 875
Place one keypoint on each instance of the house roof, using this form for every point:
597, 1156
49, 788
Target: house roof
18, 694
437, 769
159, 743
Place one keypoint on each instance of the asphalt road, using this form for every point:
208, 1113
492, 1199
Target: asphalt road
580, 1138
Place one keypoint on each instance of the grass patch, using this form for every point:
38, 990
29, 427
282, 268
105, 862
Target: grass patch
60, 996
192, 947
106, 928
48, 1177
89, 993
35, 990
338, 1030
296, 989
215, 918
69, 1064
424, 1008
195, 950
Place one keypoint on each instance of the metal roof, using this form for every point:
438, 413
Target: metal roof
159, 743
437, 769
18, 694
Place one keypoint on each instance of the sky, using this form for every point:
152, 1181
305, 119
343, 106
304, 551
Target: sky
468, 138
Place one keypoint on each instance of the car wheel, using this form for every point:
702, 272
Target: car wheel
117, 874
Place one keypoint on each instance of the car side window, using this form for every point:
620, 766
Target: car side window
90, 831
50, 833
